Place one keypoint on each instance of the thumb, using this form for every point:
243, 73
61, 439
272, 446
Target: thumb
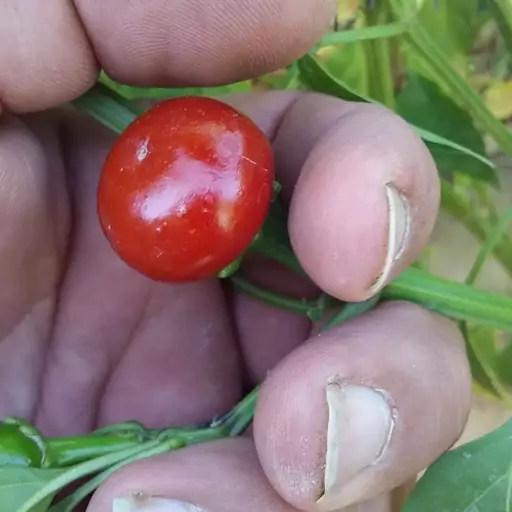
370, 404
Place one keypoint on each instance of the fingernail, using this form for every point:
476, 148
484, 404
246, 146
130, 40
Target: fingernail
398, 233
359, 430
140, 503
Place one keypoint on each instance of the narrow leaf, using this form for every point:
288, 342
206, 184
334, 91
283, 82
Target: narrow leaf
107, 108
158, 93
453, 299
364, 34
353, 310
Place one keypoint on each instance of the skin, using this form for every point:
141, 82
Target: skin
85, 341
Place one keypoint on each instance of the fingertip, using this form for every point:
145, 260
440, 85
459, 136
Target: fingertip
365, 203
356, 399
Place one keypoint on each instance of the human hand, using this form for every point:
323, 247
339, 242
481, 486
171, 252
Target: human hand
355, 411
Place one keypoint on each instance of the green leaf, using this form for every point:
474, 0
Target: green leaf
422, 104
348, 63
18, 484
318, 79
70, 475
286, 78
107, 108
70, 503
353, 310
139, 93
365, 34
471, 478
453, 299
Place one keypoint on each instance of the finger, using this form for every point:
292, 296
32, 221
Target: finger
124, 347
51, 52
267, 334
223, 476
45, 58
366, 200
33, 206
371, 403
362, 209
199, 42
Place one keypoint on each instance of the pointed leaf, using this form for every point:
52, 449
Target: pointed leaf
474, 477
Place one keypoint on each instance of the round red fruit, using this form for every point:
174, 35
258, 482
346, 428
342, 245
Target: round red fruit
185, 189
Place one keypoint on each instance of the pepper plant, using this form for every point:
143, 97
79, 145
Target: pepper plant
383, 51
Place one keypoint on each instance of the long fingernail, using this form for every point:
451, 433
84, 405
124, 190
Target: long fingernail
139, 503
398, 233
359, 430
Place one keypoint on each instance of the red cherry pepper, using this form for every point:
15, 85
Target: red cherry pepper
185, 189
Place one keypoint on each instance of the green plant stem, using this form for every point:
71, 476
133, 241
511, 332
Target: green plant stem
460, 208
67, 451
312, 309
381, 81
237, 420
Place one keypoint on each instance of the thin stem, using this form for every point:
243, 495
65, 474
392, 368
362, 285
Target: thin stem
312, 309
381, 82
71, 502
67, 451
237, 421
